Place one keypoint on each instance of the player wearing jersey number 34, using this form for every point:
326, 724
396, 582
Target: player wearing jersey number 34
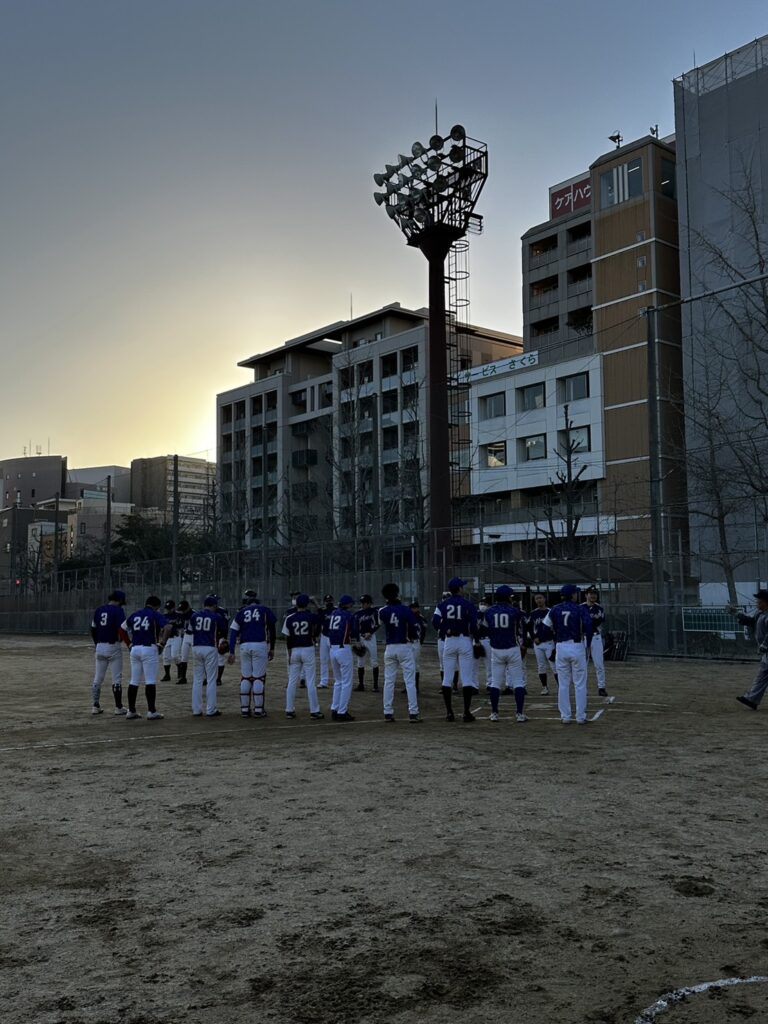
254, 626
571, 625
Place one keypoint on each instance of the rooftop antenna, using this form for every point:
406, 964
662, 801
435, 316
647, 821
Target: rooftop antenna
616, 138
351, 313
436, 124
654, 130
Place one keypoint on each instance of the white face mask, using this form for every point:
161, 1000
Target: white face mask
483, 606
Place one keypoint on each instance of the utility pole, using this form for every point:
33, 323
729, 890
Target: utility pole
661, 624
56, 543
108, 540
175, 528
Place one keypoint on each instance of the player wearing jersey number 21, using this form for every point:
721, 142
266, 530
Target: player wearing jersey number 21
455, 620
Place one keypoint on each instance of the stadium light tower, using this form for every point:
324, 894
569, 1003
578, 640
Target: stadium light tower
431, 196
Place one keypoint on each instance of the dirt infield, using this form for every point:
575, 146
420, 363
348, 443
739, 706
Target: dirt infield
226, 871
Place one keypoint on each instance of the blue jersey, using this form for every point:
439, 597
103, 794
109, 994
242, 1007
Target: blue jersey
145, 626
505, 625
367, 621
254, 624
421, 628
569, 621
325, 615
299, 628
341, 627
536, 625
399, 624
597, 614
106, 623
207, 627
455, 616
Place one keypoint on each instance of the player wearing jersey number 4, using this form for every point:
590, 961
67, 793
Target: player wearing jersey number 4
455, 620
254, 626
505, 627
299, 629
107, 634
400, 630
571, 625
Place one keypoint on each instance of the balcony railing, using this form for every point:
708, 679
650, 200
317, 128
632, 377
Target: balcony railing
544, 298
542, 258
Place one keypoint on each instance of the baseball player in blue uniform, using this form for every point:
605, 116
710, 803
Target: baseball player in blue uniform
147, 630
505, 626
455, 620
172, 648
400, 630
107, 633
418, 643
299, 629
758, 626
325, 613
254, 626
367, 623
571, 625
206, 628
542, 639
597, 614
341, 636
184, 612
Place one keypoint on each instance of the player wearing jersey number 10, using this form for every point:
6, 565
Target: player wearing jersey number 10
505, 625
400, 630
254, 626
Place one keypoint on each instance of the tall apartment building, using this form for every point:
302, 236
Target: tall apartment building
152, 486
31, 479
722, 143
93, 479
329, 439
607, 253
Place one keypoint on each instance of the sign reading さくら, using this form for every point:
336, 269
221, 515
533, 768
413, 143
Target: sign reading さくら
572, 195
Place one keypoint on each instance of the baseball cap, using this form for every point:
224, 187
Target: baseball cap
183, 606
211, 601
169, 604
117, 595
504, 591
366, 599
456, 583
762, 595
568, 590
592, 590
346, 599
390, 591
302, 600
249, 595
414, 604
328, 597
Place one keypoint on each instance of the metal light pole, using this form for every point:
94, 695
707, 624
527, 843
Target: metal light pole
431, 196
661, 624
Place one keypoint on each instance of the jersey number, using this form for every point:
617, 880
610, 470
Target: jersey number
453, 611
251, 615
202, 625
139, 623
104, 618
394, 621
334, 622
300, 628
501, 620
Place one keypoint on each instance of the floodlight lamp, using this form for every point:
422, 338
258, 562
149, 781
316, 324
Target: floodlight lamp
391, 188
458, 134
379, 179
420, 215
440, 183
404, 160
391, 212
379, 197
436, 142
390, 170
418, 150
434, 163
417, 172
456, 154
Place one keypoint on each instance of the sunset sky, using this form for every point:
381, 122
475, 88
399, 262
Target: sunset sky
186, 183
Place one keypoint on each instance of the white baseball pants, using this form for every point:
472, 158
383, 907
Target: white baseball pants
254, 658
400, 656
108, 656
458, 657
507, 668
371, 656
341, 663
416, 654
172, 651
571, 668
596, 654
325, 660
204, 666
145, 661
186, 649
301, 665
542, 652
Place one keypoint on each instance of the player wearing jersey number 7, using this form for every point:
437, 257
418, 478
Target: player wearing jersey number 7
400, 629
571, 625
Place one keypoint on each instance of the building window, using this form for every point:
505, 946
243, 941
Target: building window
365, 372
531, 398
226, 415
389, 365
493, 406
326, 395
389, 438
346, 378
573, 388
240, 410
271, 400
541, 249
411, 399
641, 261
534, 447
577, 438
391, 474
390, 400
496, 455
621, 183
410, 359
256, 405
668, 182
82, 529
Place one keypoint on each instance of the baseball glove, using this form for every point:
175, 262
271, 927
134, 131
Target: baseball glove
478, 650
360, 650
223, 646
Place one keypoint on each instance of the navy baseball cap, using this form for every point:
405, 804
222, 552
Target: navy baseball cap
211, 601
762, 595
345, 599
504, 591
328, 598
366, 599
117, 595
568, 590
302, 600
456, 583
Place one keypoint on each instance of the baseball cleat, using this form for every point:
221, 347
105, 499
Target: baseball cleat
493, 717
544, 691
375, 687
345, 717
359, 688
290, 714
153, 716
747, 702
197, 714
334, 715
450, 717
414, 718
566, 721
582, 721
520, 717
213, 714
259, 714
121, 711
602, 692
96, 710
389, 718
467, 717
317, 715
245, 712
133, 714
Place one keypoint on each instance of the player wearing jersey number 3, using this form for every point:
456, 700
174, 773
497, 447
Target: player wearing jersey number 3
571, 625
107, 633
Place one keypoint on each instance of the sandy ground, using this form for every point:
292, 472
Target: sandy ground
309, 873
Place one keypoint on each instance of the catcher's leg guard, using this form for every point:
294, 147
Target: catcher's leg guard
259, 687
246, 684
117, 693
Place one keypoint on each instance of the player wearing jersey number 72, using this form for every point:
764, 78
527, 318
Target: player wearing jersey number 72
341, 635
